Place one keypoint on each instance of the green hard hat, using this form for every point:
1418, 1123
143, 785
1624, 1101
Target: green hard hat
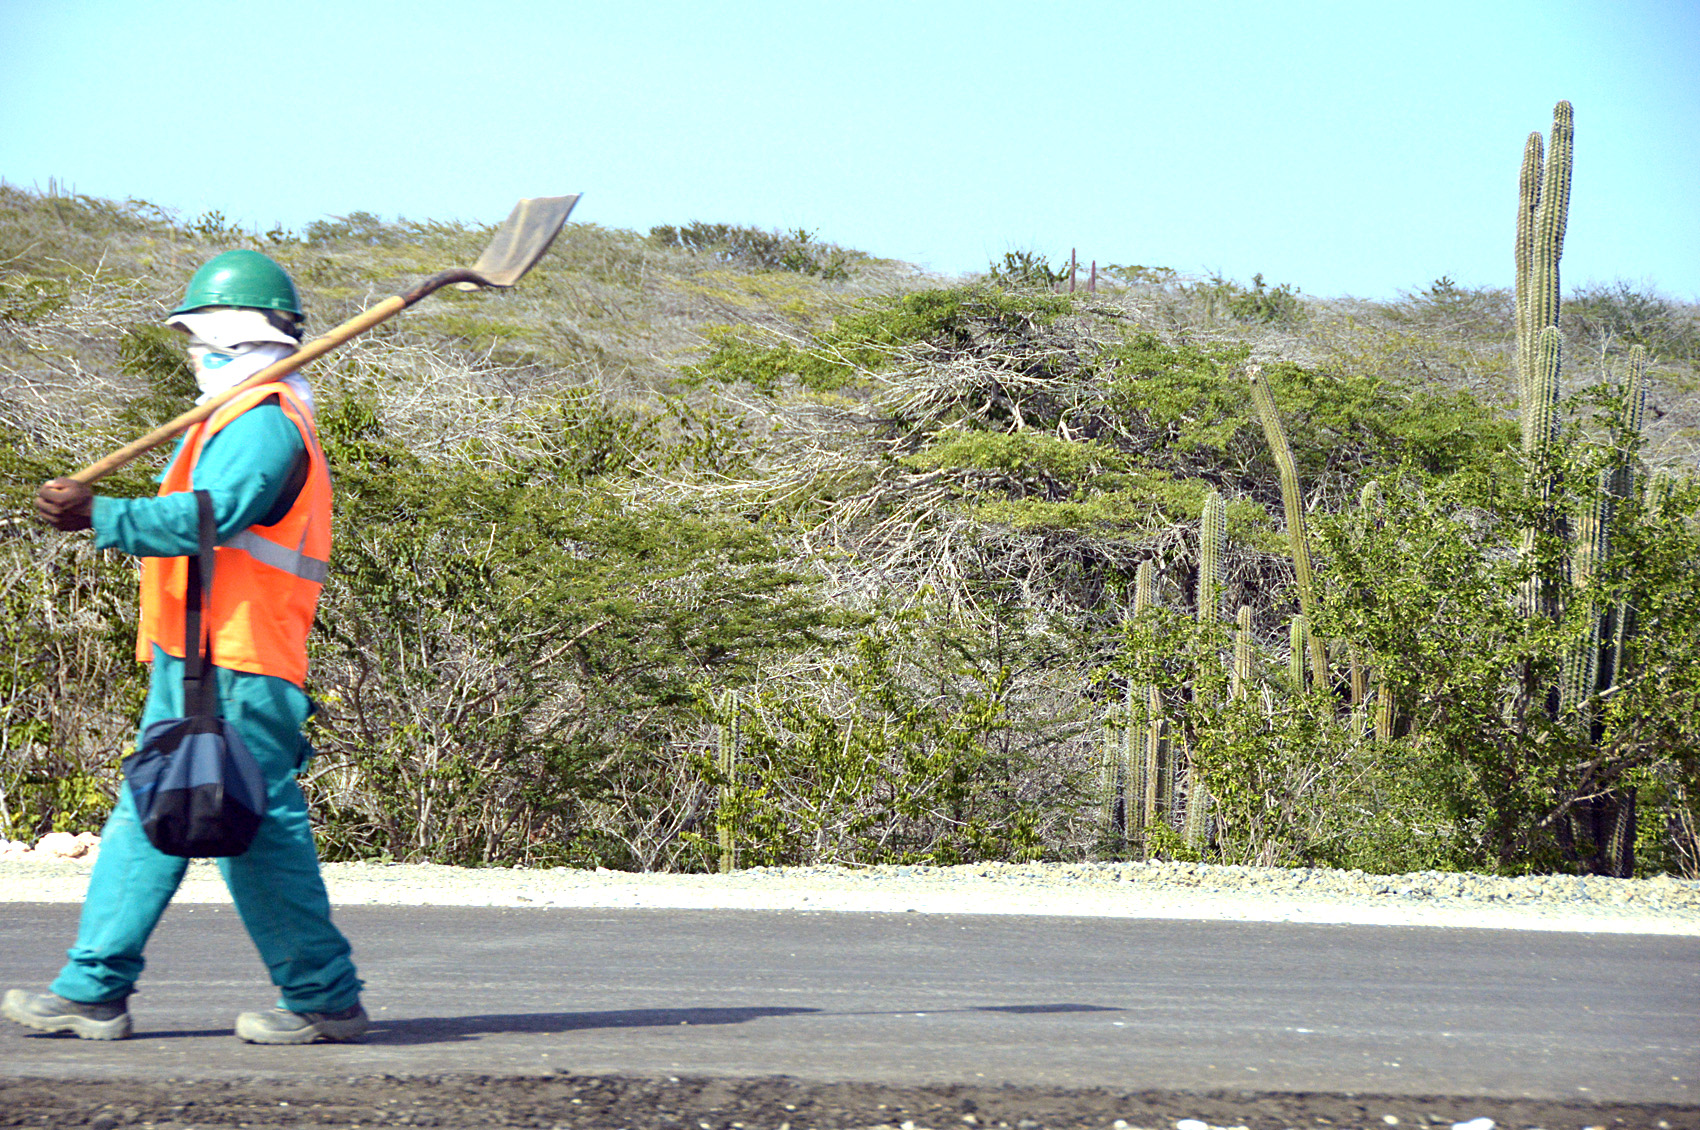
240, 278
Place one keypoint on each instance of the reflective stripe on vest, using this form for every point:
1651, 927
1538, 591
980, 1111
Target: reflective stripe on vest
291, 561
265, 591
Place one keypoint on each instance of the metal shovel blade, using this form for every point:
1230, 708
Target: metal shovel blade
522, 239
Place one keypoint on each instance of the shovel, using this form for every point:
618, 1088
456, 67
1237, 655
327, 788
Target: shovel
527, 233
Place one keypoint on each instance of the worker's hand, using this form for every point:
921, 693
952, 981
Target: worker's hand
65, 504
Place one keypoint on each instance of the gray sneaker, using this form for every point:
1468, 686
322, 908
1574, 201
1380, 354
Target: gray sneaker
280, 1026
49, 1012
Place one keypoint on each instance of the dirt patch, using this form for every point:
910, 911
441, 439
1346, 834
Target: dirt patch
780, 1103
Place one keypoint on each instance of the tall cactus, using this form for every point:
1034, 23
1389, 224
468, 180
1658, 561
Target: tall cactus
1599, 825
1212, 534
1633, 377
1622, 624
1124, 762
1598, 659
1540, 442
1358, 689
1240, 686
1115, 814
726, 737
1293, 503
1383, 708
1132, 761
1298, 633
1543, 205
1195, 827
1528, 199
1580, 677
1366, 683
1144, 597
1540, 408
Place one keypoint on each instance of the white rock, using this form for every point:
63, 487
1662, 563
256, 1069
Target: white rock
1191, 1124
1474, 1124
61, 844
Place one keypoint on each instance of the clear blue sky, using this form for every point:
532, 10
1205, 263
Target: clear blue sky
1347, 148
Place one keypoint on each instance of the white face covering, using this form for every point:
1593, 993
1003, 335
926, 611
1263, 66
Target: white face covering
218, 369
229, 344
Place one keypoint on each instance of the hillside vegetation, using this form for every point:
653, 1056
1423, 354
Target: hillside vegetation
715, 546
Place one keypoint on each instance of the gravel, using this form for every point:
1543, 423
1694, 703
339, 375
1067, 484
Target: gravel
1108, 890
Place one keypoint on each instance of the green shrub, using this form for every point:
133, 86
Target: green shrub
868, 338
1223, 297
1339, 424
1134, 274
69, 685
737, 356
1025, 268
1425, 591
501, 654
907, 750
26, 298
1291, 780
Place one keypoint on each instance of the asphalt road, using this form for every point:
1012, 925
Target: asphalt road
909, 998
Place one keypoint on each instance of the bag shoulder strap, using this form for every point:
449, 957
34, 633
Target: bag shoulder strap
200, 696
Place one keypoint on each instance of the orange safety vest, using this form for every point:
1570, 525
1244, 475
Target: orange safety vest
267, 578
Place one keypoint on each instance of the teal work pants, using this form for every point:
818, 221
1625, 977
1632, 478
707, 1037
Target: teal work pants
276, 884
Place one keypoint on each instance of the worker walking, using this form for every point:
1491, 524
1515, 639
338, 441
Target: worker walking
259, 459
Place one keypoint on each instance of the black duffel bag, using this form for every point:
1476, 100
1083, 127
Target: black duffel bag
198, 790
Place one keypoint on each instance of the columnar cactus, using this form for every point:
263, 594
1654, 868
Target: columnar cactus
1622, 485
1369, 514
1132, 762
1298, 634
1540, 440
1212, 534
1528, 199
1293, 503
1241, 684
1359, 687
1634, 380
1114, 794
1543, 205
726, 737
1124, 765
1144, 596
1580, 677
1383, 708
1195, 829
1540, 408
1619, 622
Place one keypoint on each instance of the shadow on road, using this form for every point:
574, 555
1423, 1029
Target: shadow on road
1035, 1009
445, 1029
138, 1034
442, 1029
